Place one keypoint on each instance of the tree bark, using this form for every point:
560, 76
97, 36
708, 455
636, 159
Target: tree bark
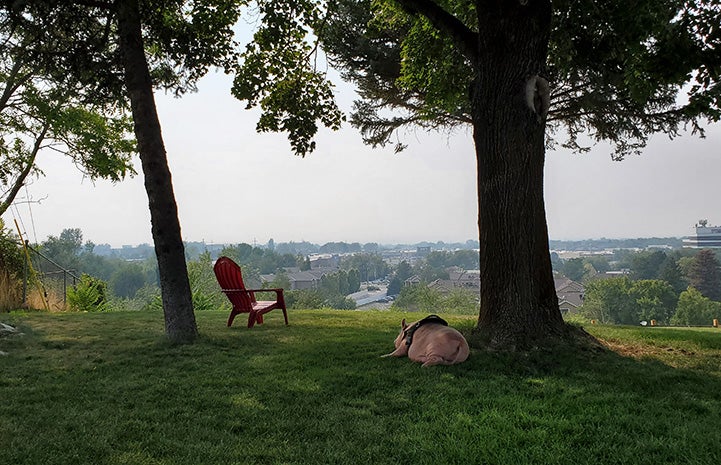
518, 298
180, 323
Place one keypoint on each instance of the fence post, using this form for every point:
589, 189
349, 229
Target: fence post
715, 322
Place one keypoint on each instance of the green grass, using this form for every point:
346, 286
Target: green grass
108, 389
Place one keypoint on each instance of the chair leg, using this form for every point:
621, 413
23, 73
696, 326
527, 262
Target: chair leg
231, 317
285, 315
251, 319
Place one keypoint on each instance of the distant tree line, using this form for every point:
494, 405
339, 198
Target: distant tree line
127, 278
680, 287
193, 249
608, 244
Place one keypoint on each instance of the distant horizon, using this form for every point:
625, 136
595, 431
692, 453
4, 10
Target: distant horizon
263, 244
222, 167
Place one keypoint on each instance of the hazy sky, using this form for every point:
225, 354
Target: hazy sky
233, 185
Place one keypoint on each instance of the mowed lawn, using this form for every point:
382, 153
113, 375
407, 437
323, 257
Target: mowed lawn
108, 389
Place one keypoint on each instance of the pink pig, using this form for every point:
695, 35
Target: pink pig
430, 341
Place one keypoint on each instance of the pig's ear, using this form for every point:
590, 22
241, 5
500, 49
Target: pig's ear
403, 324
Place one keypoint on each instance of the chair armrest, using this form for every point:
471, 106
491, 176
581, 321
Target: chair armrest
280, 299
277, 291
253, 290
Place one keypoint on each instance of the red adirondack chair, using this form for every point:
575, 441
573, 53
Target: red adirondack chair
230, 279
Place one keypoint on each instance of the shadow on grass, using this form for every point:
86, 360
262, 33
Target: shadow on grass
112, 390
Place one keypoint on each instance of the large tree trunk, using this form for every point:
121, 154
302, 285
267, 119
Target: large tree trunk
180, 323
518, 298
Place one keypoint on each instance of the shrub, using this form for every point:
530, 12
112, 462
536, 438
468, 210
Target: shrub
424, 299
695, 310
11, 254
204, 287
304, 299
339, 302
89, 295
146, 298
11, 267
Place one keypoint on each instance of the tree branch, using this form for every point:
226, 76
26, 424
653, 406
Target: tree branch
20, 181
96, 4
465, 39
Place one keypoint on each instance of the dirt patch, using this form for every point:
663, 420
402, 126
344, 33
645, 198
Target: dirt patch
644, 350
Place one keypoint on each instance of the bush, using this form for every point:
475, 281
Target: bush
695, 310
11, 270
423, 299
89, 295
339, 302
304, 299
146, 298
11, 253
204, 287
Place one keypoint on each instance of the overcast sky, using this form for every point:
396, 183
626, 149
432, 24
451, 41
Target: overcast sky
233, 185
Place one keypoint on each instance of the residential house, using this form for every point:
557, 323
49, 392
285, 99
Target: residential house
570, 295
324, 260
412, 281
458, 278
300, 280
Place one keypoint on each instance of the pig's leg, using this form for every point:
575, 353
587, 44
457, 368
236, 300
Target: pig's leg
402, 351
431, 360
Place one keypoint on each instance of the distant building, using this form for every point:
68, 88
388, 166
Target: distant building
300, 280
458, 279
706, 236
303, 280
570, 295
423, 251
324, 260
412, 281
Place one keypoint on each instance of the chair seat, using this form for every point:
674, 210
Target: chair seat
263, 304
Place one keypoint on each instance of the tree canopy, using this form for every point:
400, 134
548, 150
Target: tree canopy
117, 53
516, 72
705, 274
616, 73
695, 309
44, 110
276, 73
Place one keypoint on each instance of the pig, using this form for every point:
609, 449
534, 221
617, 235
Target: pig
430, 341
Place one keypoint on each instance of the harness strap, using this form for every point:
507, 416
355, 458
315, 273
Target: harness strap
408, 333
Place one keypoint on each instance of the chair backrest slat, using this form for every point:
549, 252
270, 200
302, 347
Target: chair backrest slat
230, 278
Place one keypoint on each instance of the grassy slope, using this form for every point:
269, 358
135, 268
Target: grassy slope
107, 388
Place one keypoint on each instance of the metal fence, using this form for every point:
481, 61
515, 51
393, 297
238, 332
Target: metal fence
46, 279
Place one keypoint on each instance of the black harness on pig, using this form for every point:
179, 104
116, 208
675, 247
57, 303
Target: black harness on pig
408, 332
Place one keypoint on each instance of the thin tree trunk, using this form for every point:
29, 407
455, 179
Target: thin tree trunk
180, 323
29, 164
518, 299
